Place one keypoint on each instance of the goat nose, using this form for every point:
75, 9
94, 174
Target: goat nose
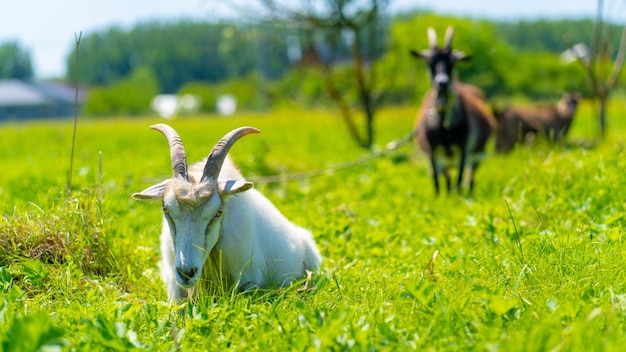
187, 273
441, 81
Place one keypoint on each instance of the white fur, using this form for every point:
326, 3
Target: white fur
259, 246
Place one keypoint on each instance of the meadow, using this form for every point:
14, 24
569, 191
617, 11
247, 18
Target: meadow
533, 261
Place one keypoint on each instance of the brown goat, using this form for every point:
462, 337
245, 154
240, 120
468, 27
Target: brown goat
454, 123
518, 123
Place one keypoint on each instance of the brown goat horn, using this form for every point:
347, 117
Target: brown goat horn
218, 154
177, 151
432, 37
448, 38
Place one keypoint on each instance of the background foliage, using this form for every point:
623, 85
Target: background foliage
16, 62
517, 60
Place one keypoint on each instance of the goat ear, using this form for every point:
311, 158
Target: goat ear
422, 54
229, 187
152, 192
460, 56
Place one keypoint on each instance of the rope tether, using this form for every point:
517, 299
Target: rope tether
391, 146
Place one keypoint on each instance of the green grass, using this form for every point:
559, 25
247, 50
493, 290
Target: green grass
533, 261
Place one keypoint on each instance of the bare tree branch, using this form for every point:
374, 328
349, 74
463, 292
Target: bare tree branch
596, 65
333, 18
619, 62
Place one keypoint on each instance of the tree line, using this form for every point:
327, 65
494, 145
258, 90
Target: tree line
266, 63
15, 61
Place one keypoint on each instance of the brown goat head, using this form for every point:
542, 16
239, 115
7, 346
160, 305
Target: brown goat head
440, 61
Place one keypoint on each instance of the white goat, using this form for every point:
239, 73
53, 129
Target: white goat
212, 212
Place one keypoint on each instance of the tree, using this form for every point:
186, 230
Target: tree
130, 96
596, 61
15, 62
180, 52
329, 25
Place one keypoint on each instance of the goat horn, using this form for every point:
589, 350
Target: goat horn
448, 38
432, 37
218, 154
177, 151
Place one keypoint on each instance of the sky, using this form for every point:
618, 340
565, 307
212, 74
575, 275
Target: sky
48, 28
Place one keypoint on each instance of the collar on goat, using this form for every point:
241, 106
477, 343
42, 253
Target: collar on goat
442, 114
446, 112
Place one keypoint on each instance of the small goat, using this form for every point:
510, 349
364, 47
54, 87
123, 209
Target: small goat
454, 123
519, 123
211, 212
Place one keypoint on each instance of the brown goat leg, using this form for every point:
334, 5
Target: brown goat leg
471, 177
459, 181
433, 164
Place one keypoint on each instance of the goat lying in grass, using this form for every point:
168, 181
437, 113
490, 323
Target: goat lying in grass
520, 123
211, 212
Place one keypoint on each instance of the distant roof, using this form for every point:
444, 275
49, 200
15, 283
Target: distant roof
59, 91
14, 92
